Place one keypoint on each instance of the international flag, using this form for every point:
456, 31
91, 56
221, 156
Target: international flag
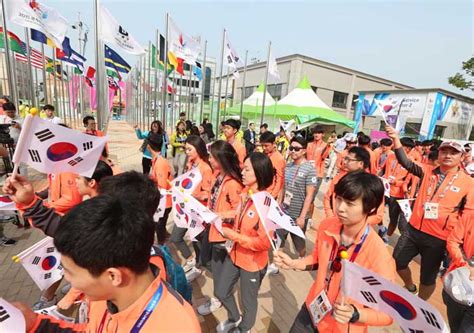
408, 310
55, 68
115, 61
188, 181
36, 57
35, 15
69, 56
172, 59
40, 37
197, 71
231, 57
273, 68
90, 76
112, 32
181, 45
51, 148
11, 319
6, 203
42, 262
272, 216
14, 40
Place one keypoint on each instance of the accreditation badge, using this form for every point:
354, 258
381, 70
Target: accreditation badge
319, 308
431, 210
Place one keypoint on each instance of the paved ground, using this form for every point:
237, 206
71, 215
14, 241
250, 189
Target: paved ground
280, 296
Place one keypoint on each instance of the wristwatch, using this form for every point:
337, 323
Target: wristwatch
355, 316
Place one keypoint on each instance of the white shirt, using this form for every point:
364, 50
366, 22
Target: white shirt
55, 120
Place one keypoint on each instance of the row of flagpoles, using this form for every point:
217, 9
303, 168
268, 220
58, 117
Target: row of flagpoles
151, 90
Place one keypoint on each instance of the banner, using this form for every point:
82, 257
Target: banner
181, 45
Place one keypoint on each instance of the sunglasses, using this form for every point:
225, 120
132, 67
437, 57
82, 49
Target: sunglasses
336, 265
292, 148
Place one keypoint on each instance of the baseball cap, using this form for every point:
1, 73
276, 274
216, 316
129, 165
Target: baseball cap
350, 137
452, 144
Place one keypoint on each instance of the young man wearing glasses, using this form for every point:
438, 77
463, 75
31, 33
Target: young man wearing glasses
358, 195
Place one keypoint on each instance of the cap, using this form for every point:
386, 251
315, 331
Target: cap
452, 144
350, 137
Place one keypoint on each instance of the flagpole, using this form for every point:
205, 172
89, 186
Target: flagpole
203, 82
266, 80
225, 94
43, 70
69, 87
188, 104
16, 97
180, 92
98, 65
219, 90
63, 94
243, 87
164, 105
149, 84
144, 91
30, 72
156, 84
11, 81
55, 86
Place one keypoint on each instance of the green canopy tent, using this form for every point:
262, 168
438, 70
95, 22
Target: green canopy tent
303, 105
252, 106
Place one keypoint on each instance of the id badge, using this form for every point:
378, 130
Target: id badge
229, 245
431, 210
319, 308
287, 199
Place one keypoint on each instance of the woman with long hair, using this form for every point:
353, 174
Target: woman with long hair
198, 158
177, 140
248, 245
225, 198
203, 134
155, 127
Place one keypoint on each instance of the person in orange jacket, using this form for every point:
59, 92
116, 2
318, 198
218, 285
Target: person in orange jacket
351, 141
444, 191
161, 173
267, 141
460, 246
357, 159
224, 200
110, 263
248, 244
396, 176
358, 195
230, 129
318, 151
61, 192
364, 141
385, 151
198, 157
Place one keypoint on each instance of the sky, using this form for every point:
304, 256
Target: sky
414, 42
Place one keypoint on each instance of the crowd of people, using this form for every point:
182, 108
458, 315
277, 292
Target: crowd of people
104, 226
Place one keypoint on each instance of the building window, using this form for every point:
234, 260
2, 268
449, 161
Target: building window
355, 99
339, 100
248, 91
315, 89
275, 90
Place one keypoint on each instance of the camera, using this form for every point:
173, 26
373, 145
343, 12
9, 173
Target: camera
5, 137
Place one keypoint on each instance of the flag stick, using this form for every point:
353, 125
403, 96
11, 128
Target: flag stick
243, 87
263, 223
20, 146
219, 90
203, 82
266, 81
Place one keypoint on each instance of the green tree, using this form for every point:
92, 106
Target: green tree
464, 81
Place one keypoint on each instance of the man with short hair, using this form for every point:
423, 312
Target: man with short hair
263, 128
350, 140
268, 143
318, 151
230, 128
445, 190
10, 117
49, 111
250, 138
364, 141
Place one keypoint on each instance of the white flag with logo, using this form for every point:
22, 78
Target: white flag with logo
231, 57
182, 45
272, 215
11, 319
32, 14
188, 181
112, 32
51, 148
408, 310
6, 203
42, 262
405, 207
160, 211
273, 68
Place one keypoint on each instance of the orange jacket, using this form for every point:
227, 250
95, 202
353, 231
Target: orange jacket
329, 202
161, 174
240, 150
171, 314
373, 255
373, 161
318, 152
461, 239
340, 159
279, 165
410, 186
63, 193
448, 213
251, 245
204, 188
397, 174
228, 200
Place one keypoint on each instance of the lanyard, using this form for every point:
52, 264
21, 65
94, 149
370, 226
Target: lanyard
243, 209
215, 192
145, 314
433, 180
330, 272
296, 173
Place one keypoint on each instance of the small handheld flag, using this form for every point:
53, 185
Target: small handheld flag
11, 319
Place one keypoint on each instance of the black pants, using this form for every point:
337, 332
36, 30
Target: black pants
146, 165
303, 323
460, 317
397, 218
160, 227
219, 254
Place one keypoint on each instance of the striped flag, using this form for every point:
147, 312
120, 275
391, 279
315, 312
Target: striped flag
36, 57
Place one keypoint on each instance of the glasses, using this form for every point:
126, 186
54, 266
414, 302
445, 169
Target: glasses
293, 148
348, 159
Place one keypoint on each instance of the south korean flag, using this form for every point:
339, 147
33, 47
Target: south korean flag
11, 319
51, 148
408, 310
405, 207
6, 203
42, 262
